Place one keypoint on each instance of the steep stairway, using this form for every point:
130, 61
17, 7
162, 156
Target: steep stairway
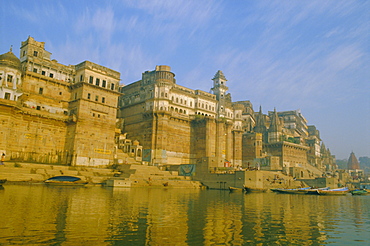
142, 175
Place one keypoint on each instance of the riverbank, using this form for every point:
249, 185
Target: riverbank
135, 175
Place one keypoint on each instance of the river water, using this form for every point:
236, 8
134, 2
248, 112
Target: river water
42, 215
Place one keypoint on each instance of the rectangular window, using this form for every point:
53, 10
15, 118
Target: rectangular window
24, 53
51, 75
35, 70
38, 107
10, 78
41, 90
103, 99
97, 82
75, 96
43, 73
81, 77
104, 83
35, 53
91, 79
96, 98
88, 95
112, 86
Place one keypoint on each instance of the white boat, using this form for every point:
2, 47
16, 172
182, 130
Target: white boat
338, 191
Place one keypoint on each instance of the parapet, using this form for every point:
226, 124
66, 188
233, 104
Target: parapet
163, 68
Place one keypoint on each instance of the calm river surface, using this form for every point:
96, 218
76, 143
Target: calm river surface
41, 215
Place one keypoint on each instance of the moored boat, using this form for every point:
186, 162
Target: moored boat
293, 191
359, 192
314, 191
2, 181
338, 191
249, 189
65, 180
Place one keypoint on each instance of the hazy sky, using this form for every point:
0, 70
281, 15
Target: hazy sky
308, 55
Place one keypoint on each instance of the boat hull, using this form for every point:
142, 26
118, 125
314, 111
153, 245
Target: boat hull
334, 192
65, 181
293, 191
359, 192
248, 189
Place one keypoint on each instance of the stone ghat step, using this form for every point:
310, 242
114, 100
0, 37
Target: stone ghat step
167, 184
27, 172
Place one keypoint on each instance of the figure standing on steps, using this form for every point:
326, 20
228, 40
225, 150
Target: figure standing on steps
2, 159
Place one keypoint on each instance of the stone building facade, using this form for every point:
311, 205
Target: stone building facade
283, 141
178, 125
54, 113
80, 115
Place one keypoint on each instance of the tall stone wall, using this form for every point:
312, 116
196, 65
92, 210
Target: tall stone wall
32, 138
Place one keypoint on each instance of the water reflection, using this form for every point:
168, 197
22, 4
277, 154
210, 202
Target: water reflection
40, 215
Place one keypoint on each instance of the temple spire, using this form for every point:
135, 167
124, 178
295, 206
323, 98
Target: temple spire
275, 122
260, 122
352, 162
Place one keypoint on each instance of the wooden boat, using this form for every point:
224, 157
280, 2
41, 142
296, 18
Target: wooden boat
2, 181
338, 191
275, 189
314, 191
65, 180
359, 192
293, 191
234, 189
248, 189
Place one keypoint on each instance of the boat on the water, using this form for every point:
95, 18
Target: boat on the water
249, 189
65, 180
2, 181
314, 191
235, 189
359, 192
338, 191
292, 191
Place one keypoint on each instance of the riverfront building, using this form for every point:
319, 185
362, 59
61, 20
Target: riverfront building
177, 125
81, 115
53, 113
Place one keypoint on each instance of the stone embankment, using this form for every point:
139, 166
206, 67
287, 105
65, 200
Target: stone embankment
137, 175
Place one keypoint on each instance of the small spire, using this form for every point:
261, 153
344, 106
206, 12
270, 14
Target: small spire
11, 48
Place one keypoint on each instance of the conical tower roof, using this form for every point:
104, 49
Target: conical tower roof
260, 122
352, 162
220, 75
275, 122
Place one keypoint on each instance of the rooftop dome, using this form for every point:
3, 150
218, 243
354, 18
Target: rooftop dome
10, 60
